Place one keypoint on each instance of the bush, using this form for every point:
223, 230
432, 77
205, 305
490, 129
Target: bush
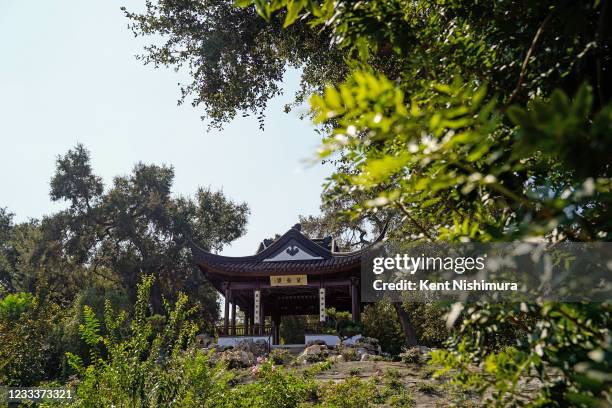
317, 368
28, 347
280, 356
273, 388
341, 323
402, 399
350, 393
349, 354
14, 305
427, 388
411, 356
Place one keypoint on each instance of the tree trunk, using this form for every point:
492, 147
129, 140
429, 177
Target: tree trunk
407, 326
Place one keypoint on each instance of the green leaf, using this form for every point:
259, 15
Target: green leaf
293, 10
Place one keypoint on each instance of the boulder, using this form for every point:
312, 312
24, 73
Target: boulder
314, 349
361, 352
365, 357
257, 348
337, 359
204, 340
313, 354
370, 344
237, 358
362, 346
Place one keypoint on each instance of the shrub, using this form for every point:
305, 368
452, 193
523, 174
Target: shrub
280, 356
273, 388
411, 356
28, 349
427, 388
342, 324
391, 380
14, 305
317, 368
350, 393
403, 399
146, 368
349, 354
428, 321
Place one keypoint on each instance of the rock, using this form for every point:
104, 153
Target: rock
370, 344
237, 358
257, 348
365, 357
362, 346
337, 359
313, 354
204, 340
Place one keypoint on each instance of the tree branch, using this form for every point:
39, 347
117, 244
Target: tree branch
415, 222
534, 42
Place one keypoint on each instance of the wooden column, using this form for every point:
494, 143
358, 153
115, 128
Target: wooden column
257, 311
276, 321
233, 318
355, 299
246, 322
322, 313
262, 326
226, 311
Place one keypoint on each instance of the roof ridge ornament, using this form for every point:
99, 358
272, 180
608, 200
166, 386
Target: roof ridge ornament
292, 250
297, 227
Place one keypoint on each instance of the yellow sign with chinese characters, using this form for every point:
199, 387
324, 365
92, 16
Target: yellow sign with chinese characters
288, 280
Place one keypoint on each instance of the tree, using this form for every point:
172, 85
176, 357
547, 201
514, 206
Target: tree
380, 320
6, 264
235, 59
108, 238
482, 137
350, 231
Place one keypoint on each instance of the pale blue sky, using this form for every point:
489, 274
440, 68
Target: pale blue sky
68, 75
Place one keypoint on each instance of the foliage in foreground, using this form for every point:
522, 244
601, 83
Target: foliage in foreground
568, 348
487, 131
145, 366
133, 362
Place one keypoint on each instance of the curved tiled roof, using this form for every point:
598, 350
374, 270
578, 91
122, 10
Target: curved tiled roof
320, 259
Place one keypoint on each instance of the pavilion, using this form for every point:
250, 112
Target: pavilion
291, 275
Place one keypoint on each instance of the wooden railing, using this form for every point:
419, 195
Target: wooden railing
241, 330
